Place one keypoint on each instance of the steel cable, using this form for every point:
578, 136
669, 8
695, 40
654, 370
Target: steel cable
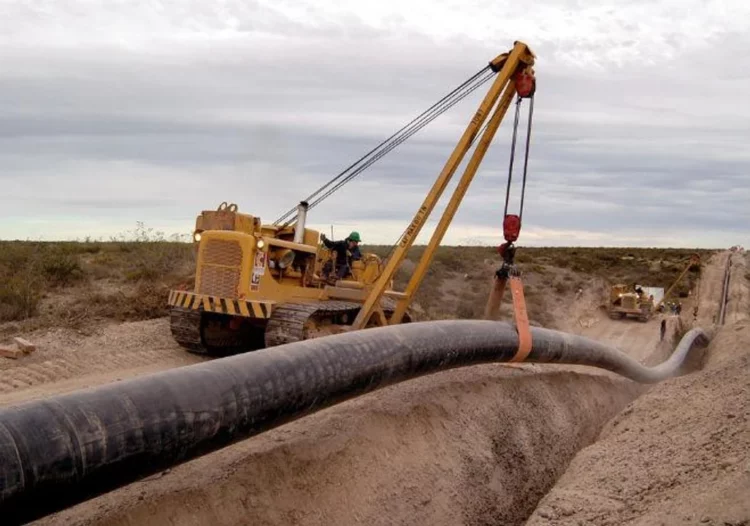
394, 140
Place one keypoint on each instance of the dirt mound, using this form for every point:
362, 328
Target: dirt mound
738, 297
462, 447
678, 454
709, 290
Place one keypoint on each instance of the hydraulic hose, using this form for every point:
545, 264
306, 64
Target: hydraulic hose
63, 450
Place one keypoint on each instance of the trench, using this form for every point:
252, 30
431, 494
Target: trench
473, 446
477, 445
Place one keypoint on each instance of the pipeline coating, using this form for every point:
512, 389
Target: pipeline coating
63, 450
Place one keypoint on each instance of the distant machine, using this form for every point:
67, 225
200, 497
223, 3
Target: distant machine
639, 301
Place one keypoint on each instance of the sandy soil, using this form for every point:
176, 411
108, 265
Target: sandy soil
678, 454
480, 445
66, 360
465, 447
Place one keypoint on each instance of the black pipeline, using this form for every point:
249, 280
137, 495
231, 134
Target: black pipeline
63, 450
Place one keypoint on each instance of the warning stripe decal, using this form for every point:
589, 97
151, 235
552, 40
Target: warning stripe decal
205, 302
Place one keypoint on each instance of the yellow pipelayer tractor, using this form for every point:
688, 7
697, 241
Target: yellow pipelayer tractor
624, 301
262, 285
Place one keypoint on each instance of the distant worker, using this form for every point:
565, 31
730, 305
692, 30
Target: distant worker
346, 252
663, 329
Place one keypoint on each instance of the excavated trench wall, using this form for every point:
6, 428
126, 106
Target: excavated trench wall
678, 454
479, 445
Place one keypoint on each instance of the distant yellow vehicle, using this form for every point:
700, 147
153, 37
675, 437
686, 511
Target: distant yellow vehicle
625, 301
261, 285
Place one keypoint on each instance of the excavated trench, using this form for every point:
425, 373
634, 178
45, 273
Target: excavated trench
477, 445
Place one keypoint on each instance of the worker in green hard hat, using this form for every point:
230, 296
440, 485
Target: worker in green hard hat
346, 252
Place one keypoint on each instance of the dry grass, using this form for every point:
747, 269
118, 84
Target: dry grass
457, 284
125, 278
657, 267
128, 277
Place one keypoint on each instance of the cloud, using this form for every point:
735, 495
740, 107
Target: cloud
154, 111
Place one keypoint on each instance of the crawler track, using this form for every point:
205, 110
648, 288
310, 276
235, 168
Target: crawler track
291, 322
185, 325
295, 322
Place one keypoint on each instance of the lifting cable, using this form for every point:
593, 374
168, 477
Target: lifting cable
399, 141
398, 241
509, 274
513, 154
419, 122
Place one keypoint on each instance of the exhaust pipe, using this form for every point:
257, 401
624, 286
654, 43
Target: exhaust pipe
299, 229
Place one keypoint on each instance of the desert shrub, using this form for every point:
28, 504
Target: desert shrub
453, 259
536, 268
606, 259
401, 279
22, 280
27, 269
524, 256
77, 248
146, 300
150, 256
61, 268
156, 260
146, 257
470, 303
149, 301
20, 296
429, 295
479, 287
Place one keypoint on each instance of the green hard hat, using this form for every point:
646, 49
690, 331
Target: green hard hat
354, 236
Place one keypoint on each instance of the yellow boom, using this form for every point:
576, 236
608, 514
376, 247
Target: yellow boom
695, 259
503, 88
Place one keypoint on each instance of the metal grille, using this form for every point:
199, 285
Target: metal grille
222, 252
222, 264
629, 302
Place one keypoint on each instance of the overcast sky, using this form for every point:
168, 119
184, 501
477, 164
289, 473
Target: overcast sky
114, 112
